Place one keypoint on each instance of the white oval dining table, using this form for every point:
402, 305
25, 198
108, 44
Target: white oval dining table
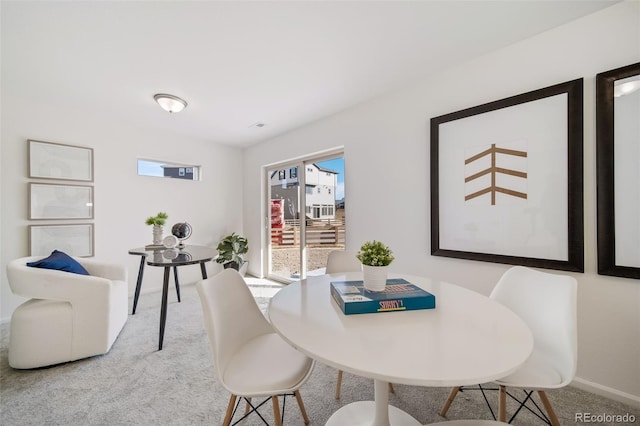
467, 339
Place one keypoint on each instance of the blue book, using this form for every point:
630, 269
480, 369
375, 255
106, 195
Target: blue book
399, 295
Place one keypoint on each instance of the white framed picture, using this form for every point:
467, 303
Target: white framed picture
73, 239
48, 160
53, 201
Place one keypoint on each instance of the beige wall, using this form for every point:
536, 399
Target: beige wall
392, 132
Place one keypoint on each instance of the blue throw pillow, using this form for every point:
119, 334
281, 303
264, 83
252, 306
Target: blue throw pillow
61, 262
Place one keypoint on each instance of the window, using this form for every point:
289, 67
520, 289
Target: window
293, 172
327, 210
168, 170
309, 190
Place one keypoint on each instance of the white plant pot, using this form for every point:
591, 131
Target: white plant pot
244, 267
375, 277
157, 235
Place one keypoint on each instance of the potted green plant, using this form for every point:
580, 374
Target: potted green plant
230, 251
157, 222
376, 258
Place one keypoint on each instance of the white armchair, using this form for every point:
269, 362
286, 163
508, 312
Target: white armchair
69, 316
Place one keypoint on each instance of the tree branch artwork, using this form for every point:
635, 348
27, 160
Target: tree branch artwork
493, 171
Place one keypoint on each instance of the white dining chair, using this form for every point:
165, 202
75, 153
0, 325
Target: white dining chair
341, 261
546, 302
250, 359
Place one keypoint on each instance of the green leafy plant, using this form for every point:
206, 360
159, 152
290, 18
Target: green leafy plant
230, 251
375, 253
160, 219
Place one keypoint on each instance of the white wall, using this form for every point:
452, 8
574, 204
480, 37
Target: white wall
392, 133
123, 200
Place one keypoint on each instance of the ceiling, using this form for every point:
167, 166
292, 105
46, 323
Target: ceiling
238, 63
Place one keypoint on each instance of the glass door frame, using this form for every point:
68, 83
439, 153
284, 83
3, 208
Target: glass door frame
301, 164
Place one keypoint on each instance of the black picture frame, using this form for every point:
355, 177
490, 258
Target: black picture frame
606, 170
572, 245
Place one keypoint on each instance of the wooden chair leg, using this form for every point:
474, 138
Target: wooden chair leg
247, 406
502, 404
227, 416
549, 408
391, 389
338, 384
302, 409
447, 404
276, 410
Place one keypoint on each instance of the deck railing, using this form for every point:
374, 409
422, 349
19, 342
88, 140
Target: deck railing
290, 236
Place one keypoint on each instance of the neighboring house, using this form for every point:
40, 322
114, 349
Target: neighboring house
320, 191
187, 173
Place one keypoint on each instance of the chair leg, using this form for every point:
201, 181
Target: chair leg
301, 405
227, 416
247, 406
549, 408
391, 389
452, 396
276, 410
502, 404
338, 384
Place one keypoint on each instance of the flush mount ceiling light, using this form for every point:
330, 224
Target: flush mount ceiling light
170, 103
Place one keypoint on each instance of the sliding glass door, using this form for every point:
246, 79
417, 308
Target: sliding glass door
306, 202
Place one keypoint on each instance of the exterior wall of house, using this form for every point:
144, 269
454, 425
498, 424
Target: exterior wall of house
179, 172
320, 191
397, 125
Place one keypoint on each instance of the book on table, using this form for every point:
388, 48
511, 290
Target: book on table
398, 295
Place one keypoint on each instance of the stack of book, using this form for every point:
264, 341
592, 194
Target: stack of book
399, 295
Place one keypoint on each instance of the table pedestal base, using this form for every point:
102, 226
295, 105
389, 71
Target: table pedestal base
363, 413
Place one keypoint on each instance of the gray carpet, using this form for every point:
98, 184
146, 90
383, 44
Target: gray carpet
134, 384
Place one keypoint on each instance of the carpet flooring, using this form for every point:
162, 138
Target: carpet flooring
135, 384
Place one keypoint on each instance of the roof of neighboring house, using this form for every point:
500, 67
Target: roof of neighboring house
322, 169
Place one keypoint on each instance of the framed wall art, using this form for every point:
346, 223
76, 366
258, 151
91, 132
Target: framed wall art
52, 201
73, 239
617, 159
506, 180
49, 160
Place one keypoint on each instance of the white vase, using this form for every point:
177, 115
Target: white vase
375, 277
157, 235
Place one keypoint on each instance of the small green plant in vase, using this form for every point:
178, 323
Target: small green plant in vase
376, 258
157, 222
230, 251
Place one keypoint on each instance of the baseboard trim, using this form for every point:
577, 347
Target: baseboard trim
611, 393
